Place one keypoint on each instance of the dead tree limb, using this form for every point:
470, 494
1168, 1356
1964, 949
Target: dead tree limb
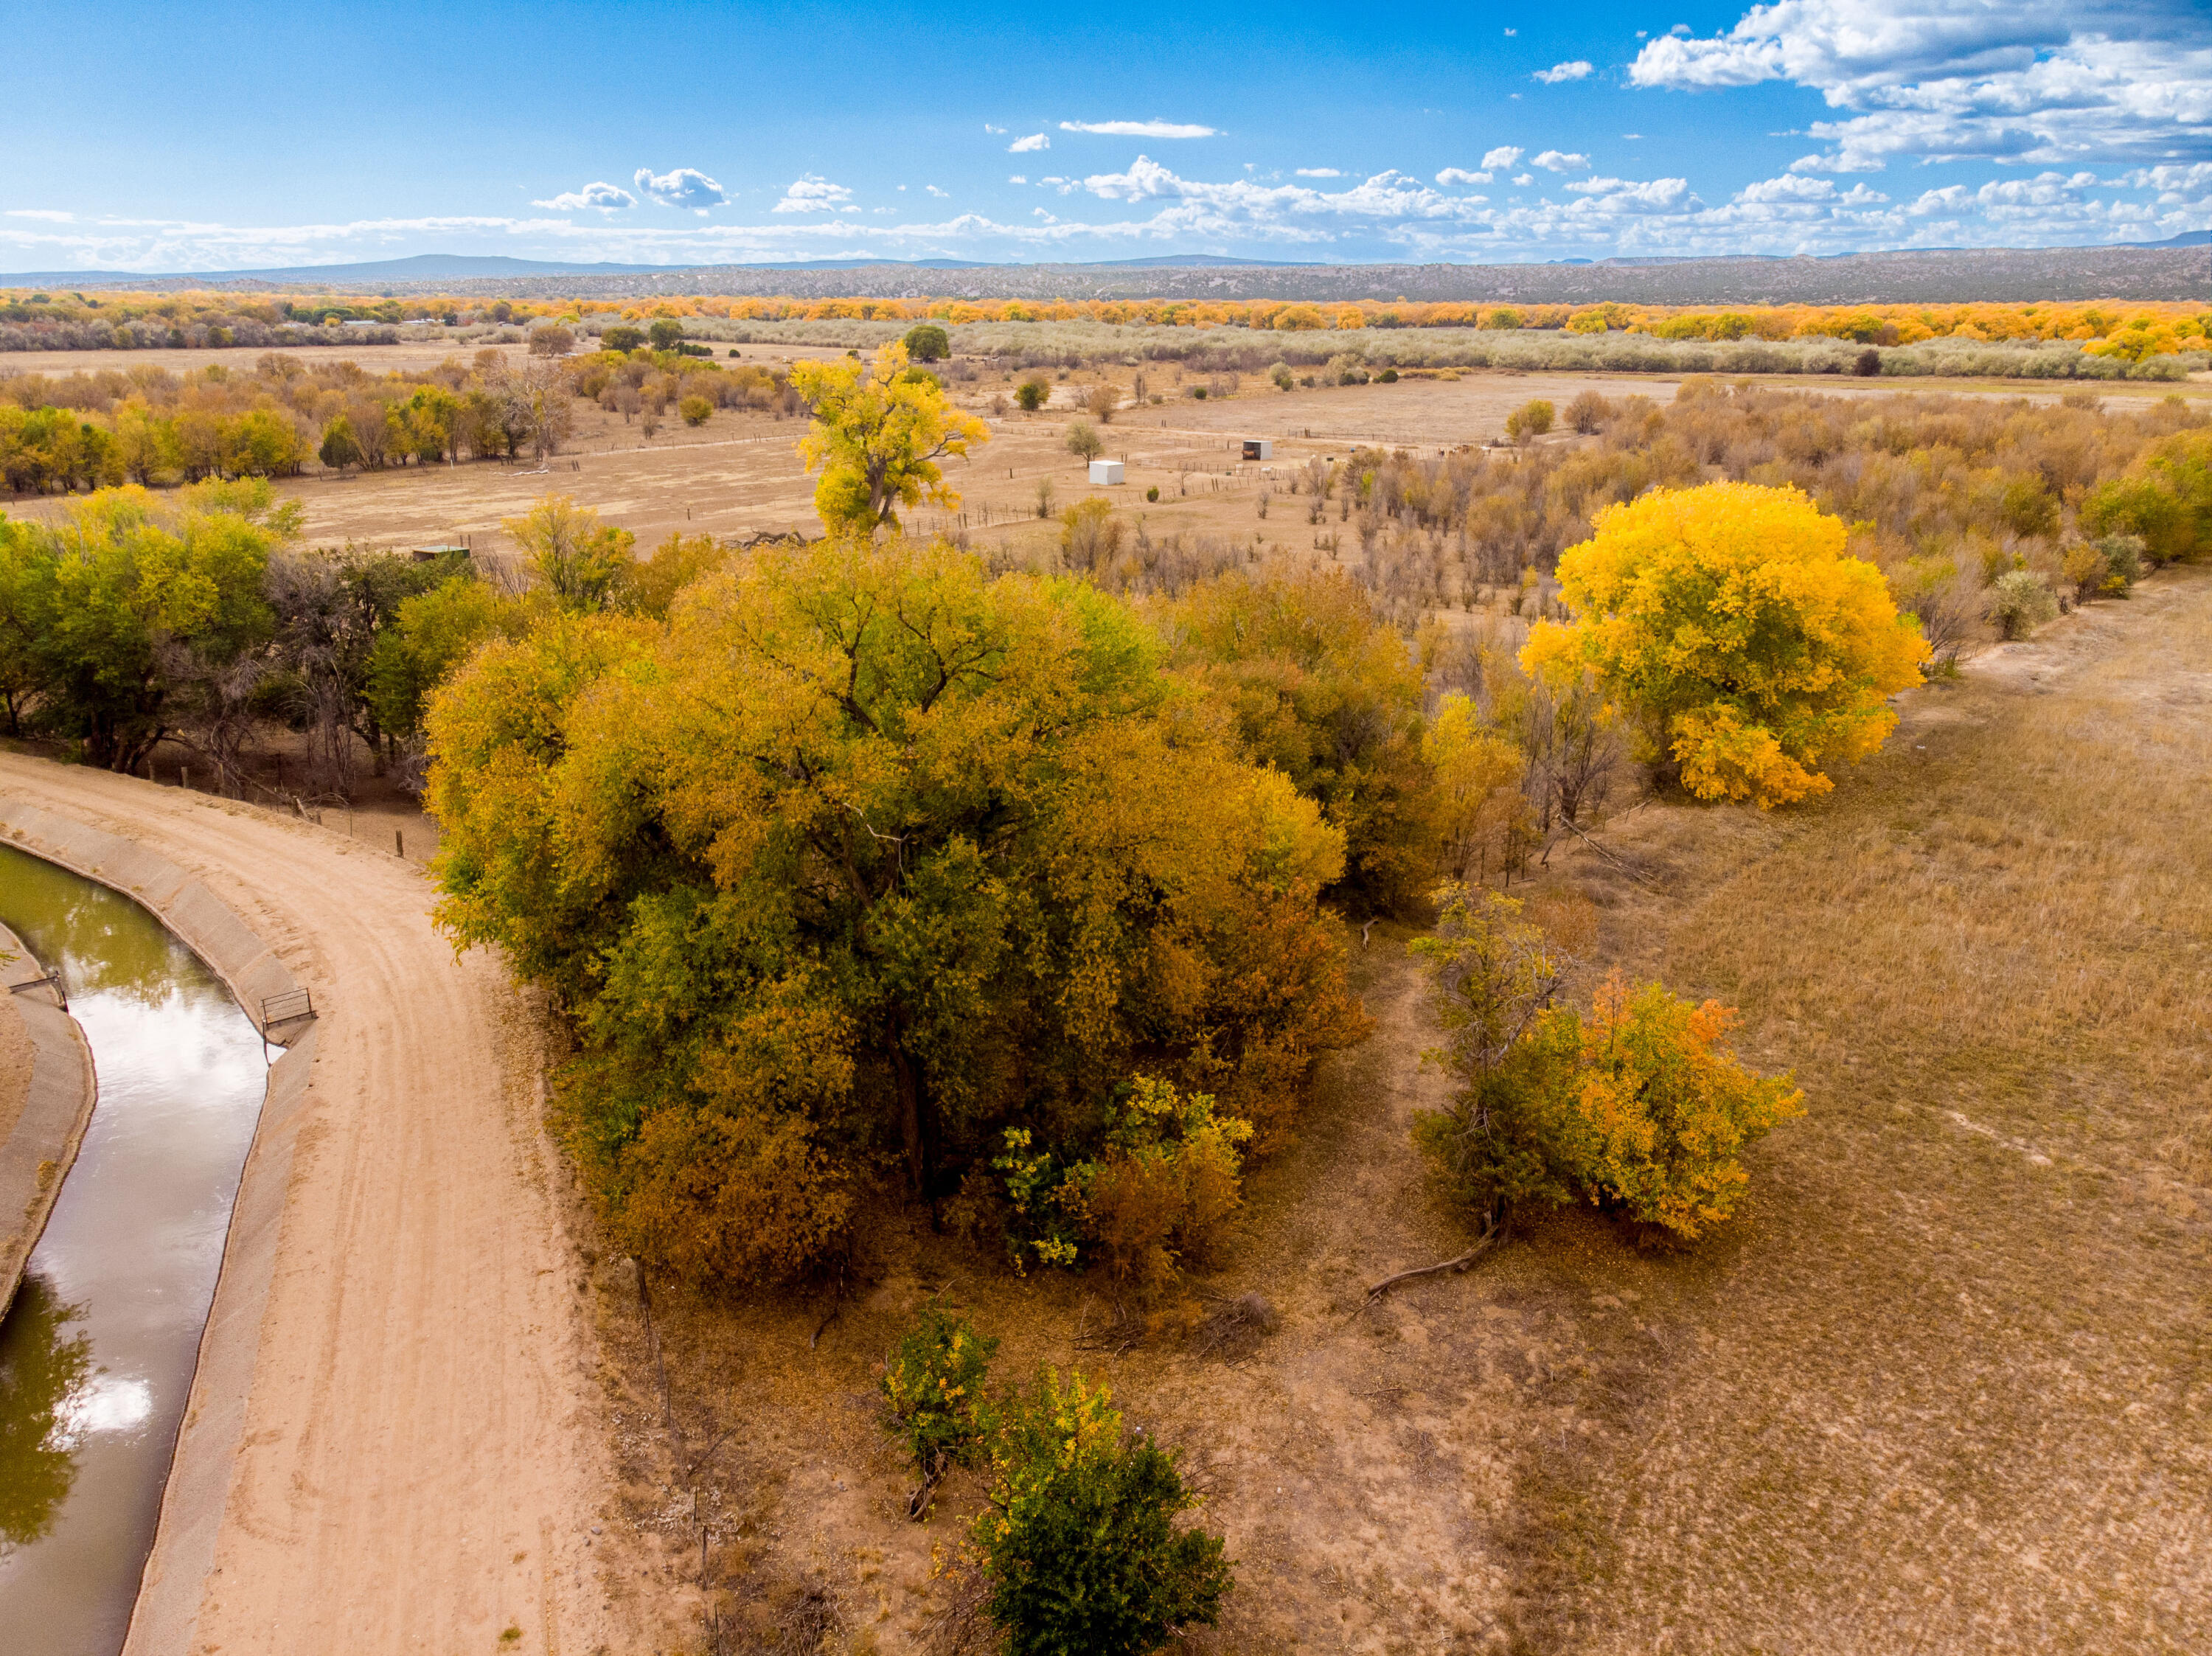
1489, 1235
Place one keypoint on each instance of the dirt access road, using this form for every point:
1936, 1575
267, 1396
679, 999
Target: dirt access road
420, 1463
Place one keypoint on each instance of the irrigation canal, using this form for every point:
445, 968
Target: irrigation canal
98, 1348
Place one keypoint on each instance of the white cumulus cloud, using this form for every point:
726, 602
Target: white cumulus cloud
1552, 160
1501, 157
1023, 146
1576, 71
1461, 175
812, 194
1141, 128
1646, 195
684, 187
1319, 173
604, 197
2030, 81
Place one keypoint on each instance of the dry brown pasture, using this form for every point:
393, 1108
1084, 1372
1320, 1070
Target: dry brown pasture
1946, 1387
739, 475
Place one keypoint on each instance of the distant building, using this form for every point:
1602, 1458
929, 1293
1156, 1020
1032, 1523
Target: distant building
1259, 448
1105, 471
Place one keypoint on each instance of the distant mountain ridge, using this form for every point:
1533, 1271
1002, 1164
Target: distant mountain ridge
2177, 268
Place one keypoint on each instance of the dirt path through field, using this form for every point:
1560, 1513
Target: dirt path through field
421, 1462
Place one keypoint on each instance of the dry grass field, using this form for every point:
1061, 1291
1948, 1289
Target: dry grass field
739, 475
1945, 1388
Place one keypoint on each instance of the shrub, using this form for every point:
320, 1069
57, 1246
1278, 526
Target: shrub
622, 339
695, 411
1494, 975
2123, 562
1032, 394
1729, 618
1083, 441
1154, 492
2020, 602
1868, 363
928, 342
1079, 1543
1645, 1109
1642, 1108
1531, 419
1102, 401
1280, 373
1388, 376
1166, 1182
664, 335
933, 1381
1588, 411
1089, 535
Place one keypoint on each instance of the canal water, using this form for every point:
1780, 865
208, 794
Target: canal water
98, 1348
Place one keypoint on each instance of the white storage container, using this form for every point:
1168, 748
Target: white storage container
1105, 471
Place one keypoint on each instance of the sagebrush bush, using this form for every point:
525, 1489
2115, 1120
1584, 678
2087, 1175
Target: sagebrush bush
2020, 602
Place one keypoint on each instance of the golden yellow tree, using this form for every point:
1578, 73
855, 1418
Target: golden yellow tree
878, 432
1730, 620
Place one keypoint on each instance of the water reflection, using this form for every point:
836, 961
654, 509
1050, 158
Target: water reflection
42, 1370
96, 1356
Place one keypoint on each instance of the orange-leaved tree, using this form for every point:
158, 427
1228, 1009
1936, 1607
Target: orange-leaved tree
1640, 1107
1729, 621
1647, 1108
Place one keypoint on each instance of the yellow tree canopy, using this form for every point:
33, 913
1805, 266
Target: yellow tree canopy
878, 432
1729, 618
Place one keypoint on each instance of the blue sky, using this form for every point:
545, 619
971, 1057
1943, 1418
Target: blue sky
146, 138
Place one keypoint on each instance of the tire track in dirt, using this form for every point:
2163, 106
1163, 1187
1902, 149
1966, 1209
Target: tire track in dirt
422, 1460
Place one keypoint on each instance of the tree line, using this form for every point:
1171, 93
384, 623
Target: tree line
153, 427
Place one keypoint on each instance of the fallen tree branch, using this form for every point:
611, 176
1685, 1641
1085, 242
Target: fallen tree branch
1489, 1235
1610, 857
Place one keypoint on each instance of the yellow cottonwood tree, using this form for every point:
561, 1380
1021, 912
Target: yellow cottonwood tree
1730, 620
878, 432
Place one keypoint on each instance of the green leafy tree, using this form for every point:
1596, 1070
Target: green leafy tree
928, 342
622, 339
866, 852
933, 1381
1032, 394
339, 449
130, 598
431, 634
666, 334
1079, 1542
1083, 441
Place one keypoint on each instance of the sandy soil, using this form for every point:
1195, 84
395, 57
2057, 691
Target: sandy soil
422, 1461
